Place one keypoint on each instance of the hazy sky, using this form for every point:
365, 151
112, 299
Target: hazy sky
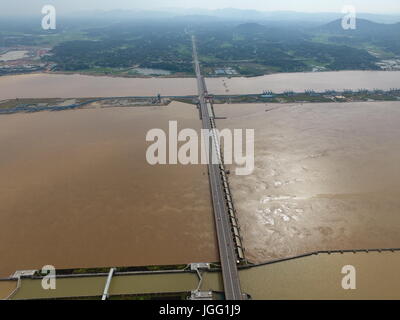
16, 7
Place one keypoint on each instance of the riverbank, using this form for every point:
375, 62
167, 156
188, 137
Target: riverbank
316, 276
36, 105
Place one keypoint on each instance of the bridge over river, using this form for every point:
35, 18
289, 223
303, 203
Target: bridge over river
225, 232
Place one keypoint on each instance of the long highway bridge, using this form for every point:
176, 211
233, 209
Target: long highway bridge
223, 221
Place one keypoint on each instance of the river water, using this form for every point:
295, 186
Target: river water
326, 177
76, 191
77, 86
299, 82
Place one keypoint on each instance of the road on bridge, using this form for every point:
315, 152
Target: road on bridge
226, 245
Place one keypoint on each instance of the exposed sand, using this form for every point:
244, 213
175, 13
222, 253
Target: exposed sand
13, 55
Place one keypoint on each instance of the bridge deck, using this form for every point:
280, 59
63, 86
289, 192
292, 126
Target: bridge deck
226, 244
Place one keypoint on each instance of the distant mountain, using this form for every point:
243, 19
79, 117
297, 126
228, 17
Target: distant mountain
195, 18
250, 28
363, 27
238, 14
386, 36
233, 14
289, 16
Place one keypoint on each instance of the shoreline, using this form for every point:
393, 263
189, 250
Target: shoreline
182, 76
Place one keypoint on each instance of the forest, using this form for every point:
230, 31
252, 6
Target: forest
251, 48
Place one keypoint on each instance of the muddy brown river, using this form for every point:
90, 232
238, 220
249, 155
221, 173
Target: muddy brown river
76, 191
327, 176
299, 82
72, 86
